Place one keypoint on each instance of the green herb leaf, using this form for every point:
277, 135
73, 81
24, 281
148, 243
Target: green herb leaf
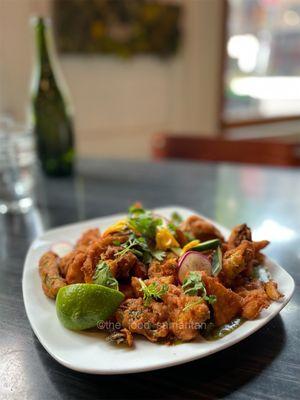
139, 246
210, 299
133, 210
174, 223
152, 291
144, 222
131, 245
103, 276
176, 219
193, 284
217, 262
159, 255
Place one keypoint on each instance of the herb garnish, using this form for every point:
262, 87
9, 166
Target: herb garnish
152, 291
159, 255
132, 244
139, 246
176, 219
193, 284
143, 222
174, 222
103, 276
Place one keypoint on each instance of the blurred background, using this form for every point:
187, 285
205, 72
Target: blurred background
186, 69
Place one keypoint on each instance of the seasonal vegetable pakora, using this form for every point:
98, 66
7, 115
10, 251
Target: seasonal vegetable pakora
178, 278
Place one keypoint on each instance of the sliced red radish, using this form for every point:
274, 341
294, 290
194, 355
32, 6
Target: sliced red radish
62, 248
193, 261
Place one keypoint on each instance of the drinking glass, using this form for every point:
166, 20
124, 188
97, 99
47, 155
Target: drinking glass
17, 166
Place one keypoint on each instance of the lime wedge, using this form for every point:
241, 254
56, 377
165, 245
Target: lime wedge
82, 305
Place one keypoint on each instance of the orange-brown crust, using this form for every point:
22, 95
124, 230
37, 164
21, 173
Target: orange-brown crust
52, 281
227, 305
201, 229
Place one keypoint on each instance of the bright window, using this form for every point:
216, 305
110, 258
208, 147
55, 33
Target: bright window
262, 77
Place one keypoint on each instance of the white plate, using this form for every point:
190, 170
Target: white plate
89, 352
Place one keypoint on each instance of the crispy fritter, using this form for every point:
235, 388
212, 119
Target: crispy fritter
168, 267
185, 313
236, 261
94, 252
136, 285
258, 246
238, 234
70, 265
253, 301
167, 313
88, 237
52, 281
74, 273
200, 228
182, 314
127, 290
123, 336
150, 321
228, 303
272, 291
121, 266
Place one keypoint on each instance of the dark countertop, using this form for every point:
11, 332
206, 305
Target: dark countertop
263, 366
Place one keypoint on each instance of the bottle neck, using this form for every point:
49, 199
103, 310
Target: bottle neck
43, 50
47, 77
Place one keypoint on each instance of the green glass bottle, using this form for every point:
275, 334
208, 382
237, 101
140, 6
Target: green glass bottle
51, 114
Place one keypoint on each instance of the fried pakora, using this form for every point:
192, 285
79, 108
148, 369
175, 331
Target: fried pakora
143, 255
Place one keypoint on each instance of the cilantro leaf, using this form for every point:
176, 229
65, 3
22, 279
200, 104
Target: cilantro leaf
103, 276
176, 219
132, 245
143, 222
139, 246
152, 291
174, 222
159, 255
193, 284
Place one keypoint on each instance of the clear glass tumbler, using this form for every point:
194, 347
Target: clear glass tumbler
17, 167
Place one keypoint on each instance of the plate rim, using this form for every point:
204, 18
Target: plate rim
159, 364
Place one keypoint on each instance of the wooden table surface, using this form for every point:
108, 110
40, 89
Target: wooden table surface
263, 366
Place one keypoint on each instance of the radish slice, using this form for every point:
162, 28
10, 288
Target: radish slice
193, 261
62, 248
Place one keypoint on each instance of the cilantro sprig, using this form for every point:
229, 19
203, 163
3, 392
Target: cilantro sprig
193, 286
141, 242
152, 291
138, 245
143, 222
174, 222
103, 276
134, 244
